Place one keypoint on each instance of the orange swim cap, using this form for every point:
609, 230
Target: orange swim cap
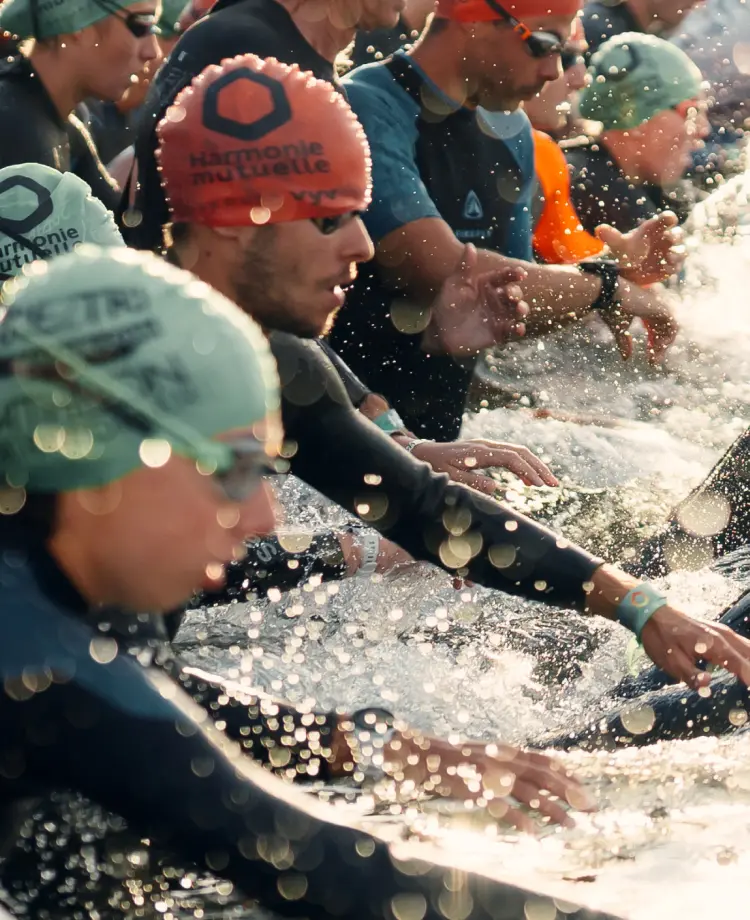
257, 142
482, 11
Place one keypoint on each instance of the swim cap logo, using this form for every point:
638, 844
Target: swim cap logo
279, 115
43, 209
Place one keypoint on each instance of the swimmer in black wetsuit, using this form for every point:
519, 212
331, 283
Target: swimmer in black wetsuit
337, 451
79, 50
77, 711
647, 94
268, 28
112, 123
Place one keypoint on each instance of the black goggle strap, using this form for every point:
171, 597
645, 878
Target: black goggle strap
114, 10
501, 11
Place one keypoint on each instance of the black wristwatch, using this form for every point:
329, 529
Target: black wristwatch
609, 272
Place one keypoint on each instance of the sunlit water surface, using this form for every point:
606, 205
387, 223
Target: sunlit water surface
672, 836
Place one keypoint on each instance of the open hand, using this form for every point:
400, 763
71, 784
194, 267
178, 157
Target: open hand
474, 311
675, 641
653, 310
503, 775
649, 254
462, 460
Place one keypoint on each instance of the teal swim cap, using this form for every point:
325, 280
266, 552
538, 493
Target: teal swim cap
171, 10
47, 18
634, 77
110, 359
45, 213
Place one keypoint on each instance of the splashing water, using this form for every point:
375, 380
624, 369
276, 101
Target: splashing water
671, 836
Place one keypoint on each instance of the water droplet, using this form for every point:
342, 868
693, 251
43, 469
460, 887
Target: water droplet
154, 452
638, 719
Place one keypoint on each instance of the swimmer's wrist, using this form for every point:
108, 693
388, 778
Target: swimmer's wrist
610, 293
638, 606
607, 587
620, 597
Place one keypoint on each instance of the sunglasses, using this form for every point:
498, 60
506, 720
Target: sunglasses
540, 44
250, 463
329, 225
140, 25
236, 467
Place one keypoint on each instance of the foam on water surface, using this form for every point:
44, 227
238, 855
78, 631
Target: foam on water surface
672, 836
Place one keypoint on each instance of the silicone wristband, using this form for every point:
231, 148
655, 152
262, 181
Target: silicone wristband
638, 606
390, 422
415, 443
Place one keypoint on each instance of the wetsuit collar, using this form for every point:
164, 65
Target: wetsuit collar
20, 66
434, 89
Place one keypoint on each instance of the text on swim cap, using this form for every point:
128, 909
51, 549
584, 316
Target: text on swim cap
14, 256
302, 158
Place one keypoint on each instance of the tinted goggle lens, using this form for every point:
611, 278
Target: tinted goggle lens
249, 465
329, 225
544, 44
141, 24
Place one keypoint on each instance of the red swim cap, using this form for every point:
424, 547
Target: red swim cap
482, 11
256, 142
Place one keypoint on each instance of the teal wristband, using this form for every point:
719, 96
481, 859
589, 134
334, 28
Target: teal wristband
390, 422
638, 606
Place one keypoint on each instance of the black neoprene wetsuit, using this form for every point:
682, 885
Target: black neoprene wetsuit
380, 43
78, 712
339, 452
233, 27
33, 131
347, 458
601, 193
602, 21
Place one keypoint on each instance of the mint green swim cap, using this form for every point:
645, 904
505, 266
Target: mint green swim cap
45, 213
171, 10
634, 77
110, 359
47, 18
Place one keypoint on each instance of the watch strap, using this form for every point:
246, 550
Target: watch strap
609, 273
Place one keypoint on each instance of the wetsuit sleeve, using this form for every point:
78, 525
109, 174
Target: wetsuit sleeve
86, 164
133, 742
352, 462
399, 194
269, 565
355, 388
293, 742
